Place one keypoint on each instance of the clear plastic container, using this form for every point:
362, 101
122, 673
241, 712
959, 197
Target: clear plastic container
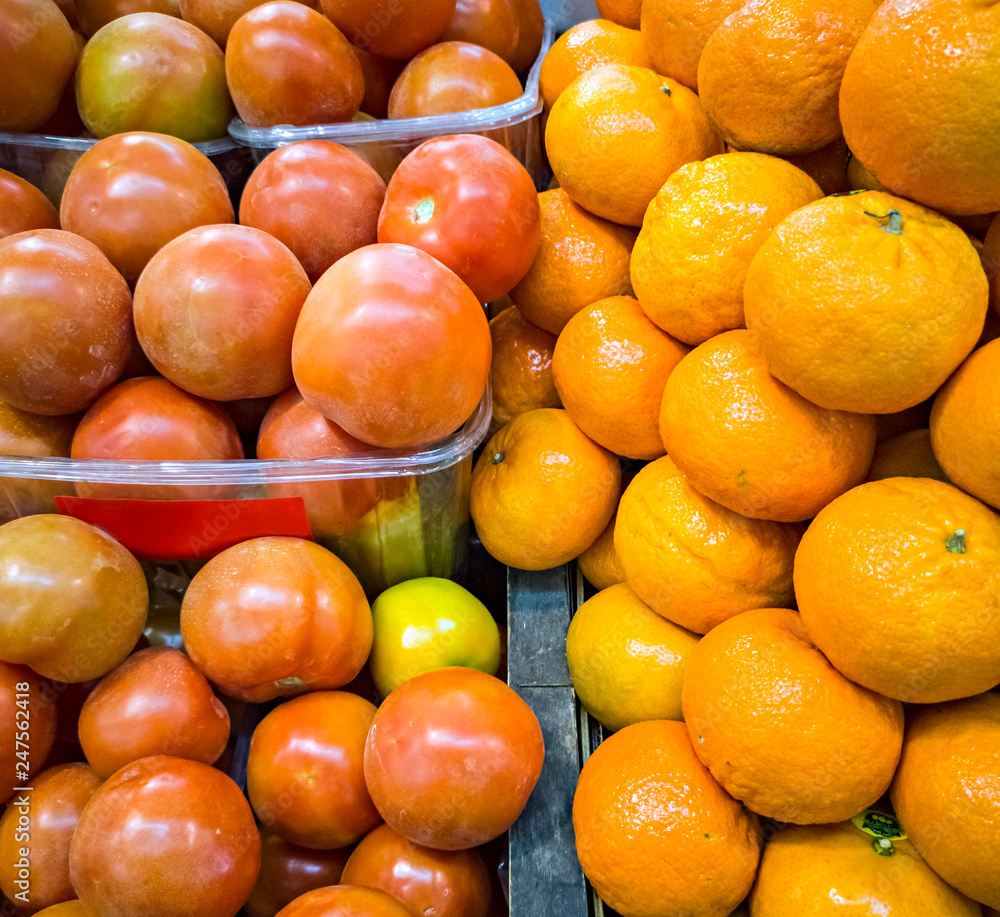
390, 516
383, 143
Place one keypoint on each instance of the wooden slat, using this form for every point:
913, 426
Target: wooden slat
538, 612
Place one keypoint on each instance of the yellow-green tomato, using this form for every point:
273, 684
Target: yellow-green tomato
430, 623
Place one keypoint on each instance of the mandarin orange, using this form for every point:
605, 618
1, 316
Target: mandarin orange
599, 563
907, 455
623, 12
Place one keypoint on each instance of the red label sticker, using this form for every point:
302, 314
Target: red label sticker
189, 529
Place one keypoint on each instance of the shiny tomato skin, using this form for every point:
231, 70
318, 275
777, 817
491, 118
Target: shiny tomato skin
24, 701
217, 17
23, 206
305, 775
166, 837
468, 202
53, 805
94, 14
451, 758
346, 901
438, 883
396, 29
156, 702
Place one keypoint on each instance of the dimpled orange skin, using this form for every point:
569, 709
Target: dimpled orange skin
947, 792
906, 455
610, 365
918, 102
617, 132
749, 442
696, 562
848, 313
655, 833
623, 12
827, 870
780, 728
699, 234
965, 425
896, 598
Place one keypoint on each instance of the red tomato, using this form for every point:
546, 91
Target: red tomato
346, 901
215, 309
65, 322
318, 197
379, 75
468, 202
24, 207
165, 837
288, 64
287, 871
275, 617
529, 40
217, 17
155, 703
392, 346
93, 14
131, 193
150, 418
73, 601
436, 883
28, 715
452, 76
305, 776
37, 827
451, 758
396, 29
492, 24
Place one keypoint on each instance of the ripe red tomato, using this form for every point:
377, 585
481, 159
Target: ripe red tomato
155, 703
73, 601
65, 323
217, 17
529, 40
36, 829
468, 202
165, 837
396, 29
379, 75
24, 207
93, 14
319, 198
346, 901
445, 883
305, 776
392, 346
451, 758
131, 193
492, 24
288, 64
27, 714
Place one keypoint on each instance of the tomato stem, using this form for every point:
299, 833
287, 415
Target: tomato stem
423, 210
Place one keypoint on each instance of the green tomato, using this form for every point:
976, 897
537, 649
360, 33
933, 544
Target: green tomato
430, 623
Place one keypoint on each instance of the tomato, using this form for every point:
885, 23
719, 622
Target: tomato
288, 64
153, 72
287, 871
93, 14
531, 22
392, 346
379, 74
396, 29
149, 418
452, 757
215, 309
64, 326
318, 197
36, 829
155, 703
37, 56
468, 202
305, 775
442, 883
217, 17
131, 193
492, 24
346, 901
24, 207
452, 76
73, 908
73, 601
275, 617
165, 837
27, 715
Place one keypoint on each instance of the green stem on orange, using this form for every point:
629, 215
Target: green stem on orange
883, 847
498, 457
895, 225
956, 543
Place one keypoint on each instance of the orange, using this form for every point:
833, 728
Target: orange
599, 563
521, 367
898, 583
769, 76
397, 29
780, 728
542, 490
888, 425
945, 792
965, 425
921, 112
581, 258
624, 12
828, 870
610, 365
627, 663
858, 176
699, 234
618, 132
655, 833
696, 562
492, 24
827, 166
749, 442
586, 45
907, 455
990, 255
844, 301
676, 31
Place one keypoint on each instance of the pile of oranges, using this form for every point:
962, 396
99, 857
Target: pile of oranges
750, 383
